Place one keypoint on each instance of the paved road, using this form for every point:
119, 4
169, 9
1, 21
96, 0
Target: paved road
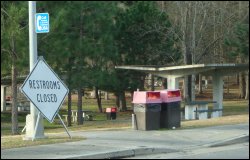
127, 143
233, 151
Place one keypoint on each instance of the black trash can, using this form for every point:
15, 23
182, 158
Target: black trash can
170, 109
147, 107
111, 113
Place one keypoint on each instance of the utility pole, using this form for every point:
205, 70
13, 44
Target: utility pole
32, 117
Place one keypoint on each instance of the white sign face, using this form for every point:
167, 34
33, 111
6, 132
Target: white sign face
45, 89
42, 23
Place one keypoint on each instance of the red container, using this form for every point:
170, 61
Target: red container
145, 97
111, 113
171, 95
112, 109
8, 98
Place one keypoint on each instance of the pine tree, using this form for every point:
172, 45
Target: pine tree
14, 47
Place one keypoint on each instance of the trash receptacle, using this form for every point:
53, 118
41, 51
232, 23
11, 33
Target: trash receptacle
111, 113
170, 109
147, 107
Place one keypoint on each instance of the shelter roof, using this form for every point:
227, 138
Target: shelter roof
180, 71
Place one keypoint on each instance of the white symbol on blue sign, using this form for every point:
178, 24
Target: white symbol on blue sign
42, 22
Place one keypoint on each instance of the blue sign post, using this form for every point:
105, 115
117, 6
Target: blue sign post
42, 23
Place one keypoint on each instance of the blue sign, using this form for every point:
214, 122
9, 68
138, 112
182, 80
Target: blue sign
42, 23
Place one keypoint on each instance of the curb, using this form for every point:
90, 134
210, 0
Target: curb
235, 140
125, 153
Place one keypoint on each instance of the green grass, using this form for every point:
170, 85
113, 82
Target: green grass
235, 111
90, 104
17, 141
224, 120
237, 107
234, 107
99, 121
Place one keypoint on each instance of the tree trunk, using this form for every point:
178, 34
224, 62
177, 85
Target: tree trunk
188, 79
123, 101
247, 85
200, 84
14, 119
117, 100
152, 83
141, 84
79, 107
69, 74
185, 89
120, 102
69, 108
183, 12
237, 79
188, 60
165, 83
98, 98
189, 87
242, 85
132, 96
192, 87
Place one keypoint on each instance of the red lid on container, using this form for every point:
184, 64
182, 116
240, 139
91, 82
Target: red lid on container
147, 97
171, 95
153, 95
113, 109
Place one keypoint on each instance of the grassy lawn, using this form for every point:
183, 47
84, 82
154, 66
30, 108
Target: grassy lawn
17, 141
235, 107
224, 120
99, 121
235, 111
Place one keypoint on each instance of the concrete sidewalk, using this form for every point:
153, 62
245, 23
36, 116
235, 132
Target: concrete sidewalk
128, 143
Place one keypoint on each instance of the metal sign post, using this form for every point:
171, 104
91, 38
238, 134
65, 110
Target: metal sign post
64, 125
39, 114
32, 117
42, 87
37, 121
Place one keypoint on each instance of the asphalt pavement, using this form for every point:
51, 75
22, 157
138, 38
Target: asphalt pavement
126, 142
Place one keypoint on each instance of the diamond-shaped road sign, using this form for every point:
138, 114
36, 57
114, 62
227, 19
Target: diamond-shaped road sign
45, 89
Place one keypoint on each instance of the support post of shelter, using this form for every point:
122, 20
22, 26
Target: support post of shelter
3, 95
173, 83
218, 91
